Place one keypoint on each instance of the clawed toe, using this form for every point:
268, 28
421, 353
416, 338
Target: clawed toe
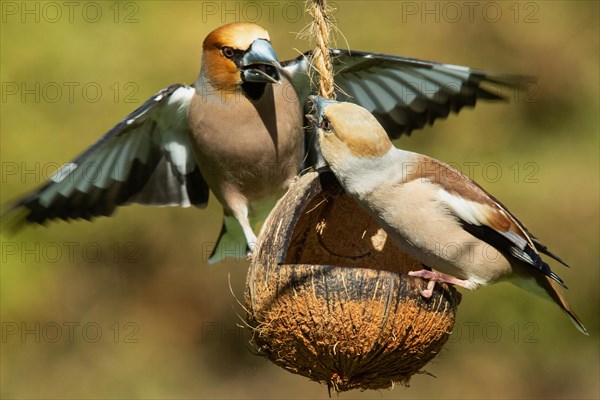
428, 291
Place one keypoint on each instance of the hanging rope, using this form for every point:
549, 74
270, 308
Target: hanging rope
320, 29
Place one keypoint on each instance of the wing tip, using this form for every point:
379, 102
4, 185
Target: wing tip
14, 217
10, 225
542, 248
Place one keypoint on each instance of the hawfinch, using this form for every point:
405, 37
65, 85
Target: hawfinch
238, 130
460, 233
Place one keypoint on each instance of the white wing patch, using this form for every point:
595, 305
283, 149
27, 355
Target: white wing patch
181, 98
469, 211
180, 156
516, 239
174, 127
475, 213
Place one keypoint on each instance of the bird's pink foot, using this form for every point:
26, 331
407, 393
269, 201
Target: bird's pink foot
433, 277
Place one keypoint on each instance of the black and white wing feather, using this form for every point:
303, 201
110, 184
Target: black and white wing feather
147, 158
404, 94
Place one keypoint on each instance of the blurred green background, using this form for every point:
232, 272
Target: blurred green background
126, 307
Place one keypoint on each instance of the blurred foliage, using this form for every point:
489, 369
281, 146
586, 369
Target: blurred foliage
146, 266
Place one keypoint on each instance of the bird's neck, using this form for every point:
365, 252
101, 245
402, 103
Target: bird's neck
362, 175
209, 86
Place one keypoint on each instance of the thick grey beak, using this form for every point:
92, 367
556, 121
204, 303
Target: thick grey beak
260, 64
319, 104
316, 112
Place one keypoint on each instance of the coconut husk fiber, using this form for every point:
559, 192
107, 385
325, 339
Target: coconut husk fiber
329, 298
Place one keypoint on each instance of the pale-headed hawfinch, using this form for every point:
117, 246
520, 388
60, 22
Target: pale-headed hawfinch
426, 206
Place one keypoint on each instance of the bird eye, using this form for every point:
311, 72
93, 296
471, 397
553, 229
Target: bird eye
326, 125
227, 52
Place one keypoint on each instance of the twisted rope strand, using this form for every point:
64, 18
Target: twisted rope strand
321, 58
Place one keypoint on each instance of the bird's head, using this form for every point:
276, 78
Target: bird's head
237, 54
347, 132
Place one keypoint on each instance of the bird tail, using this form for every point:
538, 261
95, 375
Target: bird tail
231, 242
547, 288
555, 292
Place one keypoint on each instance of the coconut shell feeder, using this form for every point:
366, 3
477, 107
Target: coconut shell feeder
328, 295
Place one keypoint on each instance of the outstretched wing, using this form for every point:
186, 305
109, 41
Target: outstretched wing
147, 158
404, 94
